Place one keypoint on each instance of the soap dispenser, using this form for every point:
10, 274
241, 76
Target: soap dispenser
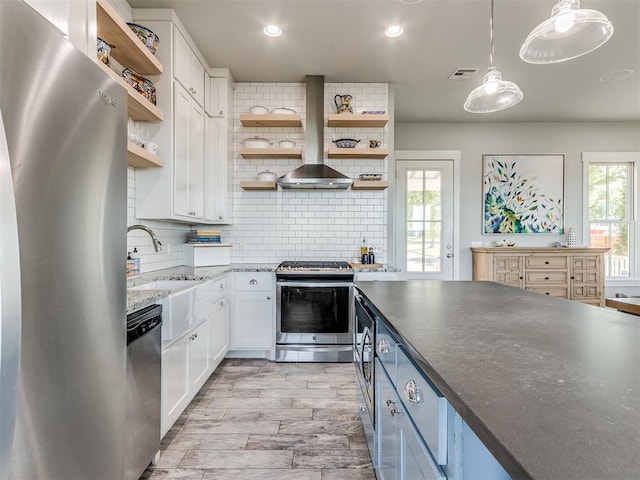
136, 261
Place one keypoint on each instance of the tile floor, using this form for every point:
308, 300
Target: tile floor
256, 419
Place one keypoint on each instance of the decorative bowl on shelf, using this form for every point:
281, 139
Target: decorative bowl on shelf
266, 176
370, 177
149, 38
283, 111
346, 142
256, 142
104, 51
140, 84
258, 110
287, 143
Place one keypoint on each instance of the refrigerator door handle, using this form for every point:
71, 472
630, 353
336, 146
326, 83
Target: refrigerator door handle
10, 306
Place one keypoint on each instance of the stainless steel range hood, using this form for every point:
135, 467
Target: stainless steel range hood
314, 173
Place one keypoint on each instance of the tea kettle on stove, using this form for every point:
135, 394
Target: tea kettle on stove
344, 105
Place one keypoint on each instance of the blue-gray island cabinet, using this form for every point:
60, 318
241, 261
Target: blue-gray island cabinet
550, 387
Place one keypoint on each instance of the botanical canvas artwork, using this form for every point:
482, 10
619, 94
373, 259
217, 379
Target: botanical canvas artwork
523, 194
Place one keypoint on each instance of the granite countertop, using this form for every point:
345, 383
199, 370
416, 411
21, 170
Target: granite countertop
137, 299
358, 268
550, 386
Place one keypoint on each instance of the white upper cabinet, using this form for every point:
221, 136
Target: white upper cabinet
76, 19
188, 197
215, 170
192, 185
187, 69
216, 96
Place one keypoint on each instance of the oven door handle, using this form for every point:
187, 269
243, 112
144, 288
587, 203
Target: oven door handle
365, 333
314, 284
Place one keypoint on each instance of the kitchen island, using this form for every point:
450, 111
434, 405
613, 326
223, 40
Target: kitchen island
551, 387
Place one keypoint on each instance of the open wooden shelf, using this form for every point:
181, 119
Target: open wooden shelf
375, 153
141, 158
270, 120
370, 185
128, 49
271, 152
357, 120
138, 107
256, 185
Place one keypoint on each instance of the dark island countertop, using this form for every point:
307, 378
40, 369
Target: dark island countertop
550, 386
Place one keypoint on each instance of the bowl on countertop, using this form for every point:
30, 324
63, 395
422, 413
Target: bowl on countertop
148, 37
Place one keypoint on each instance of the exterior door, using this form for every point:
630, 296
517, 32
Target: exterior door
425, 213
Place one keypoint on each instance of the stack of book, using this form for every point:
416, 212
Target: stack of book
203, 236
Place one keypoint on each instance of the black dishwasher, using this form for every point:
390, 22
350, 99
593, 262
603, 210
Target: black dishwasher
144, 342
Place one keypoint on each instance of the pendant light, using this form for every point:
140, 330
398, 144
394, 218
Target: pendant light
569, 33
494, 94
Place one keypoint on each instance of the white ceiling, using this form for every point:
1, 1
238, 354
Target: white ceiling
344, 41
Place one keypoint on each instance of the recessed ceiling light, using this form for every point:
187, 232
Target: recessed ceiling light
272, 31
616, 75
394, 31
409, 2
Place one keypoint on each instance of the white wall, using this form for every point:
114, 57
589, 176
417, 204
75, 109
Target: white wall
305, 224
476, 139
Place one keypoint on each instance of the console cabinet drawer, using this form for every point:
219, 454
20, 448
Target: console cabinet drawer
546, 262
426, 407
552, 291
546, 278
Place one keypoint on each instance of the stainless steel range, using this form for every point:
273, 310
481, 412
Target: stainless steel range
314, 312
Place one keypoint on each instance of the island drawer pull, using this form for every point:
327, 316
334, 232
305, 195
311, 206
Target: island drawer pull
384, 346
412, 392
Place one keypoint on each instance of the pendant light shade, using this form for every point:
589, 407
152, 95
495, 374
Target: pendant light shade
569, 33
493, 95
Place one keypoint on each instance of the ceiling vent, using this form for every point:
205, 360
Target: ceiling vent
463, 73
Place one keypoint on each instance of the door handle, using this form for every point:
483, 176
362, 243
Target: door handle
449, 255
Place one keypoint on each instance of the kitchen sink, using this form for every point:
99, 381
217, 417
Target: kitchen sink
173, 286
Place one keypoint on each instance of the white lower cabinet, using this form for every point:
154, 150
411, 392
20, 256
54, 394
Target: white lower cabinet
190, 358
402, 453
418, 434
219, 331
199, 359
175, 382
253, 322
253, 325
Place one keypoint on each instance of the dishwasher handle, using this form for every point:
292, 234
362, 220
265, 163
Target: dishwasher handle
142, 322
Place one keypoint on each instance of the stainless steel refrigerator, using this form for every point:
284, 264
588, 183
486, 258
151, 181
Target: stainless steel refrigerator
62, 275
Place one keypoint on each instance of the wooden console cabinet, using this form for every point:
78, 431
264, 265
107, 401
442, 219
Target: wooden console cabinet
575, 273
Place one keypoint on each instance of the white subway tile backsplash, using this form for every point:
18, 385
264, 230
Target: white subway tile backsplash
305, 224
269, 227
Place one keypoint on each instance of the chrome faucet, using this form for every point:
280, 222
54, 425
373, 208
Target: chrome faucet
157, 244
